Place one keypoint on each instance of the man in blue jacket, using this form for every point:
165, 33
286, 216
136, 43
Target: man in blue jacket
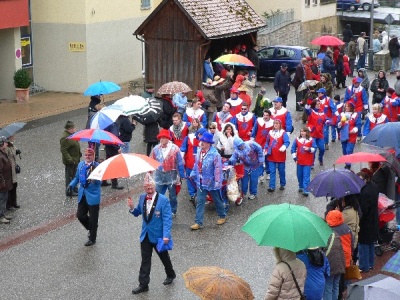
157, 222
89, 195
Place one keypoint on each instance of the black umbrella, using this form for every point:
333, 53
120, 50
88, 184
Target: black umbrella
11, 129
150, 114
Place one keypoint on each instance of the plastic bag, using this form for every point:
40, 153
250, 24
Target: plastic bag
232, 187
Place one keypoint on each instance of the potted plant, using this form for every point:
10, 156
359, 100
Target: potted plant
22, 81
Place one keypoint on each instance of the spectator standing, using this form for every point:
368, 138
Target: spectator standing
376, 44
329, 66
379, 87
126, 127
6, 180
369, 227
352, 54
347, 35
71, 154
12, 153
112, 150
299, 78
180, 102
156, 224
168, 110
282, 83
385, 41
362, 49
166, 176
207, 173
208, 72
89, 195
253, 57
340, 72
148, 92
394, 53
150, 133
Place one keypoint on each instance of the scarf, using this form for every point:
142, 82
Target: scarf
178, 130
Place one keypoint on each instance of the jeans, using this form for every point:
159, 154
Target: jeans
303, 176
321, 149
366, 256
3, 203
265, 167
282, 176
125, 148
347, 148
395, 64
361, 61
331, 291
190, 183
201, 201
326, 133
162, 189
253, 176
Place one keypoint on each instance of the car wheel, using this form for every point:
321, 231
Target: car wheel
366, 6
352, 8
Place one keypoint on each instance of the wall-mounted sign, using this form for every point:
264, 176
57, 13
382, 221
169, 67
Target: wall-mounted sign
18, 53
77, 46
26, 51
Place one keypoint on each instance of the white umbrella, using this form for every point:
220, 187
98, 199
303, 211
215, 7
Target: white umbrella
132, 104
306, 84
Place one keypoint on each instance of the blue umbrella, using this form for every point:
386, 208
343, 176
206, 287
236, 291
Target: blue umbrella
105, 117
385, 135
11, 129
335, 183
393, 265
102, 88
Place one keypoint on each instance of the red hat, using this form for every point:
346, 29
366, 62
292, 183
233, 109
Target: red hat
234, 90
164, 133
243, 46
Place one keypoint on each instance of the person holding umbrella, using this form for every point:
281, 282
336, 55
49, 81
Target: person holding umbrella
89, 195
157, 225
112, 150
166, 176
71, 154
207, 173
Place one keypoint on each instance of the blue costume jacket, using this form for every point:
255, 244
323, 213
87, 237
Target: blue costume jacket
90, 188
251, 156
158, 224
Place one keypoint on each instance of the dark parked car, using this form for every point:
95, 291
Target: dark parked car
351, 5
272, 57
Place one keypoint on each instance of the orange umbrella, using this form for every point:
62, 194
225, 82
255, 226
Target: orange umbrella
210, 283
124, 166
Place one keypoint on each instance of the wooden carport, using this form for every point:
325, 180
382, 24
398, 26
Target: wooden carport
179, 33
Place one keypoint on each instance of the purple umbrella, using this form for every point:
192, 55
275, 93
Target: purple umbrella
335, 183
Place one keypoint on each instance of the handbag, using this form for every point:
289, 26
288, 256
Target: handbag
352, 272
302, 296
17, 169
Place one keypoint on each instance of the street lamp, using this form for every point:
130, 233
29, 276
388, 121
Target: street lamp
371, 42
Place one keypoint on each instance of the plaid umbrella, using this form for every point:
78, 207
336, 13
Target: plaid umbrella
173, 87
393, 265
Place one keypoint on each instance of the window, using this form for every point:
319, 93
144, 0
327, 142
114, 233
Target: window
307, 3
315, 2
267, 53
145, 4
283, 53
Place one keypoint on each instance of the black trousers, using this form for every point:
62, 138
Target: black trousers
12, 196
284, 99
110, 152
150, 145
146, 248
88, 215
70, 171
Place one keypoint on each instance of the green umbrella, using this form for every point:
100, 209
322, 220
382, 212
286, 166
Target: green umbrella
288, 226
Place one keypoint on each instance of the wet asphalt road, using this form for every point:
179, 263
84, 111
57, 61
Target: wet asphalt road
56, 265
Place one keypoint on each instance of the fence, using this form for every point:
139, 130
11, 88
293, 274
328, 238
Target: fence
279, 18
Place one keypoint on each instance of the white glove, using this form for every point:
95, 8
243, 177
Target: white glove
294, 155
282, 148
354, 130
365, 106
307, 106
336, 113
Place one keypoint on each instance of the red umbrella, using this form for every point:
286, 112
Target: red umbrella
124, 166
96, 136
360, 157
327, 40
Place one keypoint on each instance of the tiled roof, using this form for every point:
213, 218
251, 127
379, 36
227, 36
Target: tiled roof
218, 18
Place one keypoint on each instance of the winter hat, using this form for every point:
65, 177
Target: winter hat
148, 180
164, 133
237, 142
334, 218
390, 90
69, 125
207, 138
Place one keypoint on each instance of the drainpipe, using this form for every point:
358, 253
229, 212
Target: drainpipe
371, 42
143, 55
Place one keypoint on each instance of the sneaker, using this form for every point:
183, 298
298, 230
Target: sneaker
271, 190
359, 138
252, 197
8, 217
300, 190
326, 147
261, 179
333, 140
196, 226
268, 177
321, 163
221, 221
173, 215
4, 221
282, 188
305, 194
192, 198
